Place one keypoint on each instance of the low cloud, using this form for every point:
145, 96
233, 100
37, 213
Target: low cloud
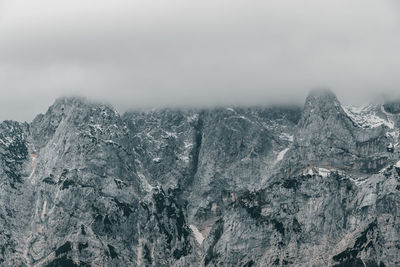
137, 54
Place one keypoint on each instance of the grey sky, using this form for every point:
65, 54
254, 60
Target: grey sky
143, 53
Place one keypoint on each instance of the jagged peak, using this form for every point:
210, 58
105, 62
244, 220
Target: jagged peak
62, 104
75, 104
392, 106
70, 101
321, 101
66, 102
321, 97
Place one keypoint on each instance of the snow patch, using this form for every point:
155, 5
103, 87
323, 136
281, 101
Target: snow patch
184, 158
367, 117
193, 118
397, 165
157, 160
43, 210
281, 155
243, 118
188, 144
145, 183
7, 142
390, 146
33, 157
96, 126
199, 236
309, 172
170, 134
323, 172
286, 136
358, 182
392, 134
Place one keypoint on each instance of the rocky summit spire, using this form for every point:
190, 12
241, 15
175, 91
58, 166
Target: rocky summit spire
326, 135
322, 102
322, 113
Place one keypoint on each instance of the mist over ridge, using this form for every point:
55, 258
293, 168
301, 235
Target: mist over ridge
203, 53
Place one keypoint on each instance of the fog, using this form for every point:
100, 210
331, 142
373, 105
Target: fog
140, 54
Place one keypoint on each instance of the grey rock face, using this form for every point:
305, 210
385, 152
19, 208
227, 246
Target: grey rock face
80, 200
392, 107
315, 186
328, 137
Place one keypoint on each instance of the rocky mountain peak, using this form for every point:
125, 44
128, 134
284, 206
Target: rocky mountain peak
330, 136
321, 93
70, 100
65, 105
392, 106
322, 111
267, 186
321, 102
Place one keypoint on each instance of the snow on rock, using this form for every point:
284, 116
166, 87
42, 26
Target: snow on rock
144, 181
286, 137
184, 158
323, 172
281, 155
6, 141
359, 181
33, 156
199, 236
392, 134
193, 118
369, 198
170, 134
188, 145
390, 147
368, 116
157, 160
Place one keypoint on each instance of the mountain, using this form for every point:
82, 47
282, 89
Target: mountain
319, 185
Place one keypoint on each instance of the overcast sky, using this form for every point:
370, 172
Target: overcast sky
144, 53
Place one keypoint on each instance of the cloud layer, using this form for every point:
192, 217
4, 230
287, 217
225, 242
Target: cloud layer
143, 53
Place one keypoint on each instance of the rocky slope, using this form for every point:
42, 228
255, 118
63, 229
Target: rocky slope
82, 185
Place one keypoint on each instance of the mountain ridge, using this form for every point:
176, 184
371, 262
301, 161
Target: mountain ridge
83, 185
